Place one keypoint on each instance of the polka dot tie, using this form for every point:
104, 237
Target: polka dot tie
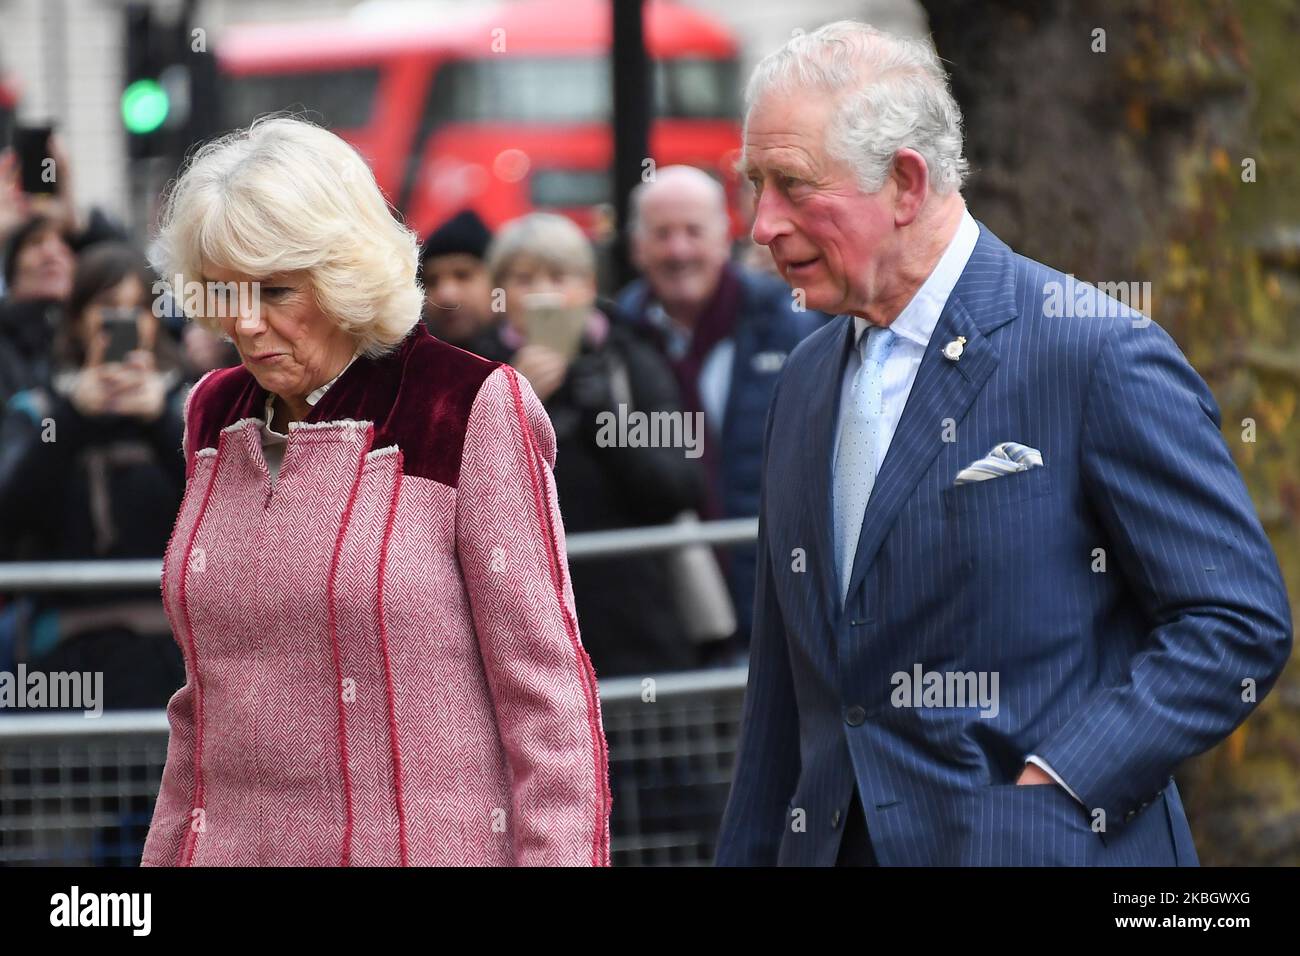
859, 451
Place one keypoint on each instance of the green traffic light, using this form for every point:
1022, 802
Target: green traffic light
144, 106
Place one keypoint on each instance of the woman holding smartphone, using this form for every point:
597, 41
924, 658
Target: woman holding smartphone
90, 468
582, 362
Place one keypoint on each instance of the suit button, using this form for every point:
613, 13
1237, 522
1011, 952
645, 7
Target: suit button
835, 820
854, 716
1130, 815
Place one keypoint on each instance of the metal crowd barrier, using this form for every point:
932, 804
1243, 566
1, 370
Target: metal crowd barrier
117, 575
79, 791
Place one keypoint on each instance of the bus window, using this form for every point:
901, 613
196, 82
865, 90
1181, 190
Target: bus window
557, 90
568, 188
339, 99
575, 90
697, 89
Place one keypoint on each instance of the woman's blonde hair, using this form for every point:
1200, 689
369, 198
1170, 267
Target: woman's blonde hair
285, 195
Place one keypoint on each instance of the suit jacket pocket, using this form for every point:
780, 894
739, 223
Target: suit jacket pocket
1036, 825
993, 493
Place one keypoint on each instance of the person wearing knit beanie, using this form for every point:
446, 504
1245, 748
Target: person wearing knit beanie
457, 290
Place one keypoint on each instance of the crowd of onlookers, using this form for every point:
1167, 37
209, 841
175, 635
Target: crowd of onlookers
94, 369
90, 433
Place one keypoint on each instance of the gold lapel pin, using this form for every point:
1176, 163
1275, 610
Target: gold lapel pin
952, 351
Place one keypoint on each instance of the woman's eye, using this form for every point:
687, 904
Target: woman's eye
276, 291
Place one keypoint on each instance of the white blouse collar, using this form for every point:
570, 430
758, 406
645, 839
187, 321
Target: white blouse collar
269, 434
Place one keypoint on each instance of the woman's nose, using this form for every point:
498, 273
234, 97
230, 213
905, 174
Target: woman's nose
248, 316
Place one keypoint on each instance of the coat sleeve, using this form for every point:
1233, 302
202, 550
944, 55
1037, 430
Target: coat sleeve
167, 434
173, 811
657, 482
767, 761
26, 478
1184, 533
510, 544
33, 463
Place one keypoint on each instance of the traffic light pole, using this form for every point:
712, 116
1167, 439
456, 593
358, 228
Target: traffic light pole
630, 68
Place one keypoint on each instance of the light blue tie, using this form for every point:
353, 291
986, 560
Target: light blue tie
858, 451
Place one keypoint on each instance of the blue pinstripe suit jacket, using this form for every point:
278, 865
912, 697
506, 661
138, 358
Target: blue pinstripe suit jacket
1112, 676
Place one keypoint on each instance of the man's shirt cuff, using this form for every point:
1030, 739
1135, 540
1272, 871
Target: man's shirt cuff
1040, 763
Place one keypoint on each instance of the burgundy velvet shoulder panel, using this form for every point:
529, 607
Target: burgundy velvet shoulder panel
418, 396
211, 403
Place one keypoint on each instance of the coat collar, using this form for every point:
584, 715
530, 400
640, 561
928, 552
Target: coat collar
983, 300
418, 397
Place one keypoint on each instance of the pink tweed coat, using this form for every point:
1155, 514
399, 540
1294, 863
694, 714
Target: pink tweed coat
382, 656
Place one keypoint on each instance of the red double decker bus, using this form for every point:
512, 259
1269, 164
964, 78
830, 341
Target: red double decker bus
504, 111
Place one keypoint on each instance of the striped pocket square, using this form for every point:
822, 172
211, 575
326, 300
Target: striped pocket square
1006, 458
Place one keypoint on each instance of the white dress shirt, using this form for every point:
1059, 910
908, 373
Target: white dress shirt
273, 442
914, 326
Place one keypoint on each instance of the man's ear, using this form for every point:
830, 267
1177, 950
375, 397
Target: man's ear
911, 178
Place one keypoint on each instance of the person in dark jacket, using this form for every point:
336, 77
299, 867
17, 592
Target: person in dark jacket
457, 288
38, 267
626, 608
724, 330
91, 468
40, 235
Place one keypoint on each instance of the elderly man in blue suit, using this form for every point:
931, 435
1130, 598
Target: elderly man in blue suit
1009, 577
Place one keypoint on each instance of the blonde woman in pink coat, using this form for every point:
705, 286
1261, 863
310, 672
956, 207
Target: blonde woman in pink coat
367, 575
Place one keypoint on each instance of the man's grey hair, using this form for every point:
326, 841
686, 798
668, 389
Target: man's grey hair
893, 94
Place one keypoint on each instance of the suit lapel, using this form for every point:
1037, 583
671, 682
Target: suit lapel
982, 300
822, 413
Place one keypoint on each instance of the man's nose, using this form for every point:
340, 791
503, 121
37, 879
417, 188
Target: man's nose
770, 218
681, 248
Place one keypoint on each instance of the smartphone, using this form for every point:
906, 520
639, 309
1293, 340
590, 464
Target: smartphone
122, 332
551, 323
32, 145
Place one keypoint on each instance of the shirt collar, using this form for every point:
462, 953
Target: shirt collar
314, 396
917, 320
